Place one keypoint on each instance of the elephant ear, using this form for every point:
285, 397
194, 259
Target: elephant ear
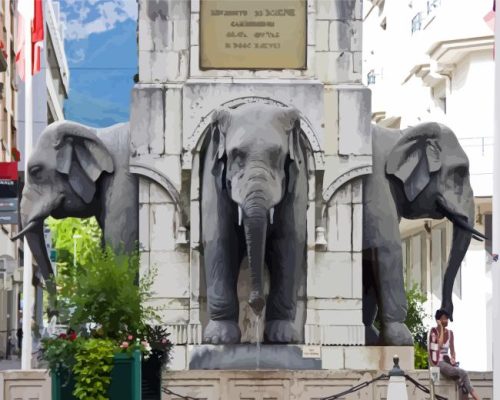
415, 157
220, 122
82, 156
291, 121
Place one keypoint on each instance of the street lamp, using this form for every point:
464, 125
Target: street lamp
76, 236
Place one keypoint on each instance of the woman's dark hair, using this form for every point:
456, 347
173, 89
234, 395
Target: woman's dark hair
440, 313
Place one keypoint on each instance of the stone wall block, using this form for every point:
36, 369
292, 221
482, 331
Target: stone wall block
162, 233
339, 227
181, 32
146, 129
173, 121
322, 29
341, 317
143, 190
339, 9
345, 35
332, 276
336, 67
158, 195
171, 66
355, 121
331, 104
195, 29
357, 227
357, 275
144, 228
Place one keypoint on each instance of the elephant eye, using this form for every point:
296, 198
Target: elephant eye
36, 171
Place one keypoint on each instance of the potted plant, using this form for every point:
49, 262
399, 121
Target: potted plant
160, 352
100, 357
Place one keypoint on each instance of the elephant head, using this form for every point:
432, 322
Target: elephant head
61, 181
256, 152
432, 181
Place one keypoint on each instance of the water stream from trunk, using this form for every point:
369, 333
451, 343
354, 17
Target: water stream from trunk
257, 338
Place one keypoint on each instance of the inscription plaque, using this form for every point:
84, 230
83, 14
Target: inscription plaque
256, 34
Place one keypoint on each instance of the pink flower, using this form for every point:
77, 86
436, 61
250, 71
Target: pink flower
145, 343
130, 337
124, 345
163, 341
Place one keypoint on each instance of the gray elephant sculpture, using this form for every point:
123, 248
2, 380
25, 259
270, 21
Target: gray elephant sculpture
254, 202
78, 171
420, 172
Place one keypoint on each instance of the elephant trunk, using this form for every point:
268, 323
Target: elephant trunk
255, 224
463, 231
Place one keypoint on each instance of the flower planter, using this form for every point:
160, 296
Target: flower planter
151, 378
125, 380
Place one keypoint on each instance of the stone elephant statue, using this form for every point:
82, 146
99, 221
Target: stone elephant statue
79, 171
254, 202
419, 172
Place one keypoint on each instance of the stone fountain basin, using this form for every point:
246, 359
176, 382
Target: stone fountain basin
250, 357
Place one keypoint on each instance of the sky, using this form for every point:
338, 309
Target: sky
101, 48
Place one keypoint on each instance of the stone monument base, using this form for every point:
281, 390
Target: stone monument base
289, 357
303, 385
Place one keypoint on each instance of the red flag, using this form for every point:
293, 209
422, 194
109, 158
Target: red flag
29, 11
37, 37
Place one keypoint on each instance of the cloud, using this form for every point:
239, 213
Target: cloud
83, 18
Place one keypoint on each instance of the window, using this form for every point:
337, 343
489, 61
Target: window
416, 23
432, 5
370, 77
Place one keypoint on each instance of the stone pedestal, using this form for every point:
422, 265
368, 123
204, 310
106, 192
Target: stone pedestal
292, 357
305, 385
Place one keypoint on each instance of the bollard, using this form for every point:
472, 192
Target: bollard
434, 377
396, 390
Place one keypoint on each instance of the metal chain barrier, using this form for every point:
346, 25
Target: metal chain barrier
360, 386
423, 388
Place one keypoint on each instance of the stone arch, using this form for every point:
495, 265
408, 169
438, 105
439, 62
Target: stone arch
160, 179
194, 151
196, 138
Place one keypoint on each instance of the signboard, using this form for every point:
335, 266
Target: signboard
8, 193
254, 34
9, 217
8, 170
8, 189
8, 204
311, 352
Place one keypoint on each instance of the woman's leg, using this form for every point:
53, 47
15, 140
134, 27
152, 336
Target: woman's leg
454, 373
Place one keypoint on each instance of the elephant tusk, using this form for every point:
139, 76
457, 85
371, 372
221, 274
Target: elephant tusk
271, 215
459, 220
240, 215
28, 228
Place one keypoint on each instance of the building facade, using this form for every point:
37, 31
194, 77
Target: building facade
9, 255
50, 89
432, 60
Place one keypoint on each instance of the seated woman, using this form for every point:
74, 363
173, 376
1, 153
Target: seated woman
442, 354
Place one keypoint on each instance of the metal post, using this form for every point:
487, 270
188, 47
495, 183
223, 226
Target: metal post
396, 390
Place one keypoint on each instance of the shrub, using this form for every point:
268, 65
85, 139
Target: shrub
415, 322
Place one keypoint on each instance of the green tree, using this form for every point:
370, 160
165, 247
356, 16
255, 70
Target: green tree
415, 322
68, 235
